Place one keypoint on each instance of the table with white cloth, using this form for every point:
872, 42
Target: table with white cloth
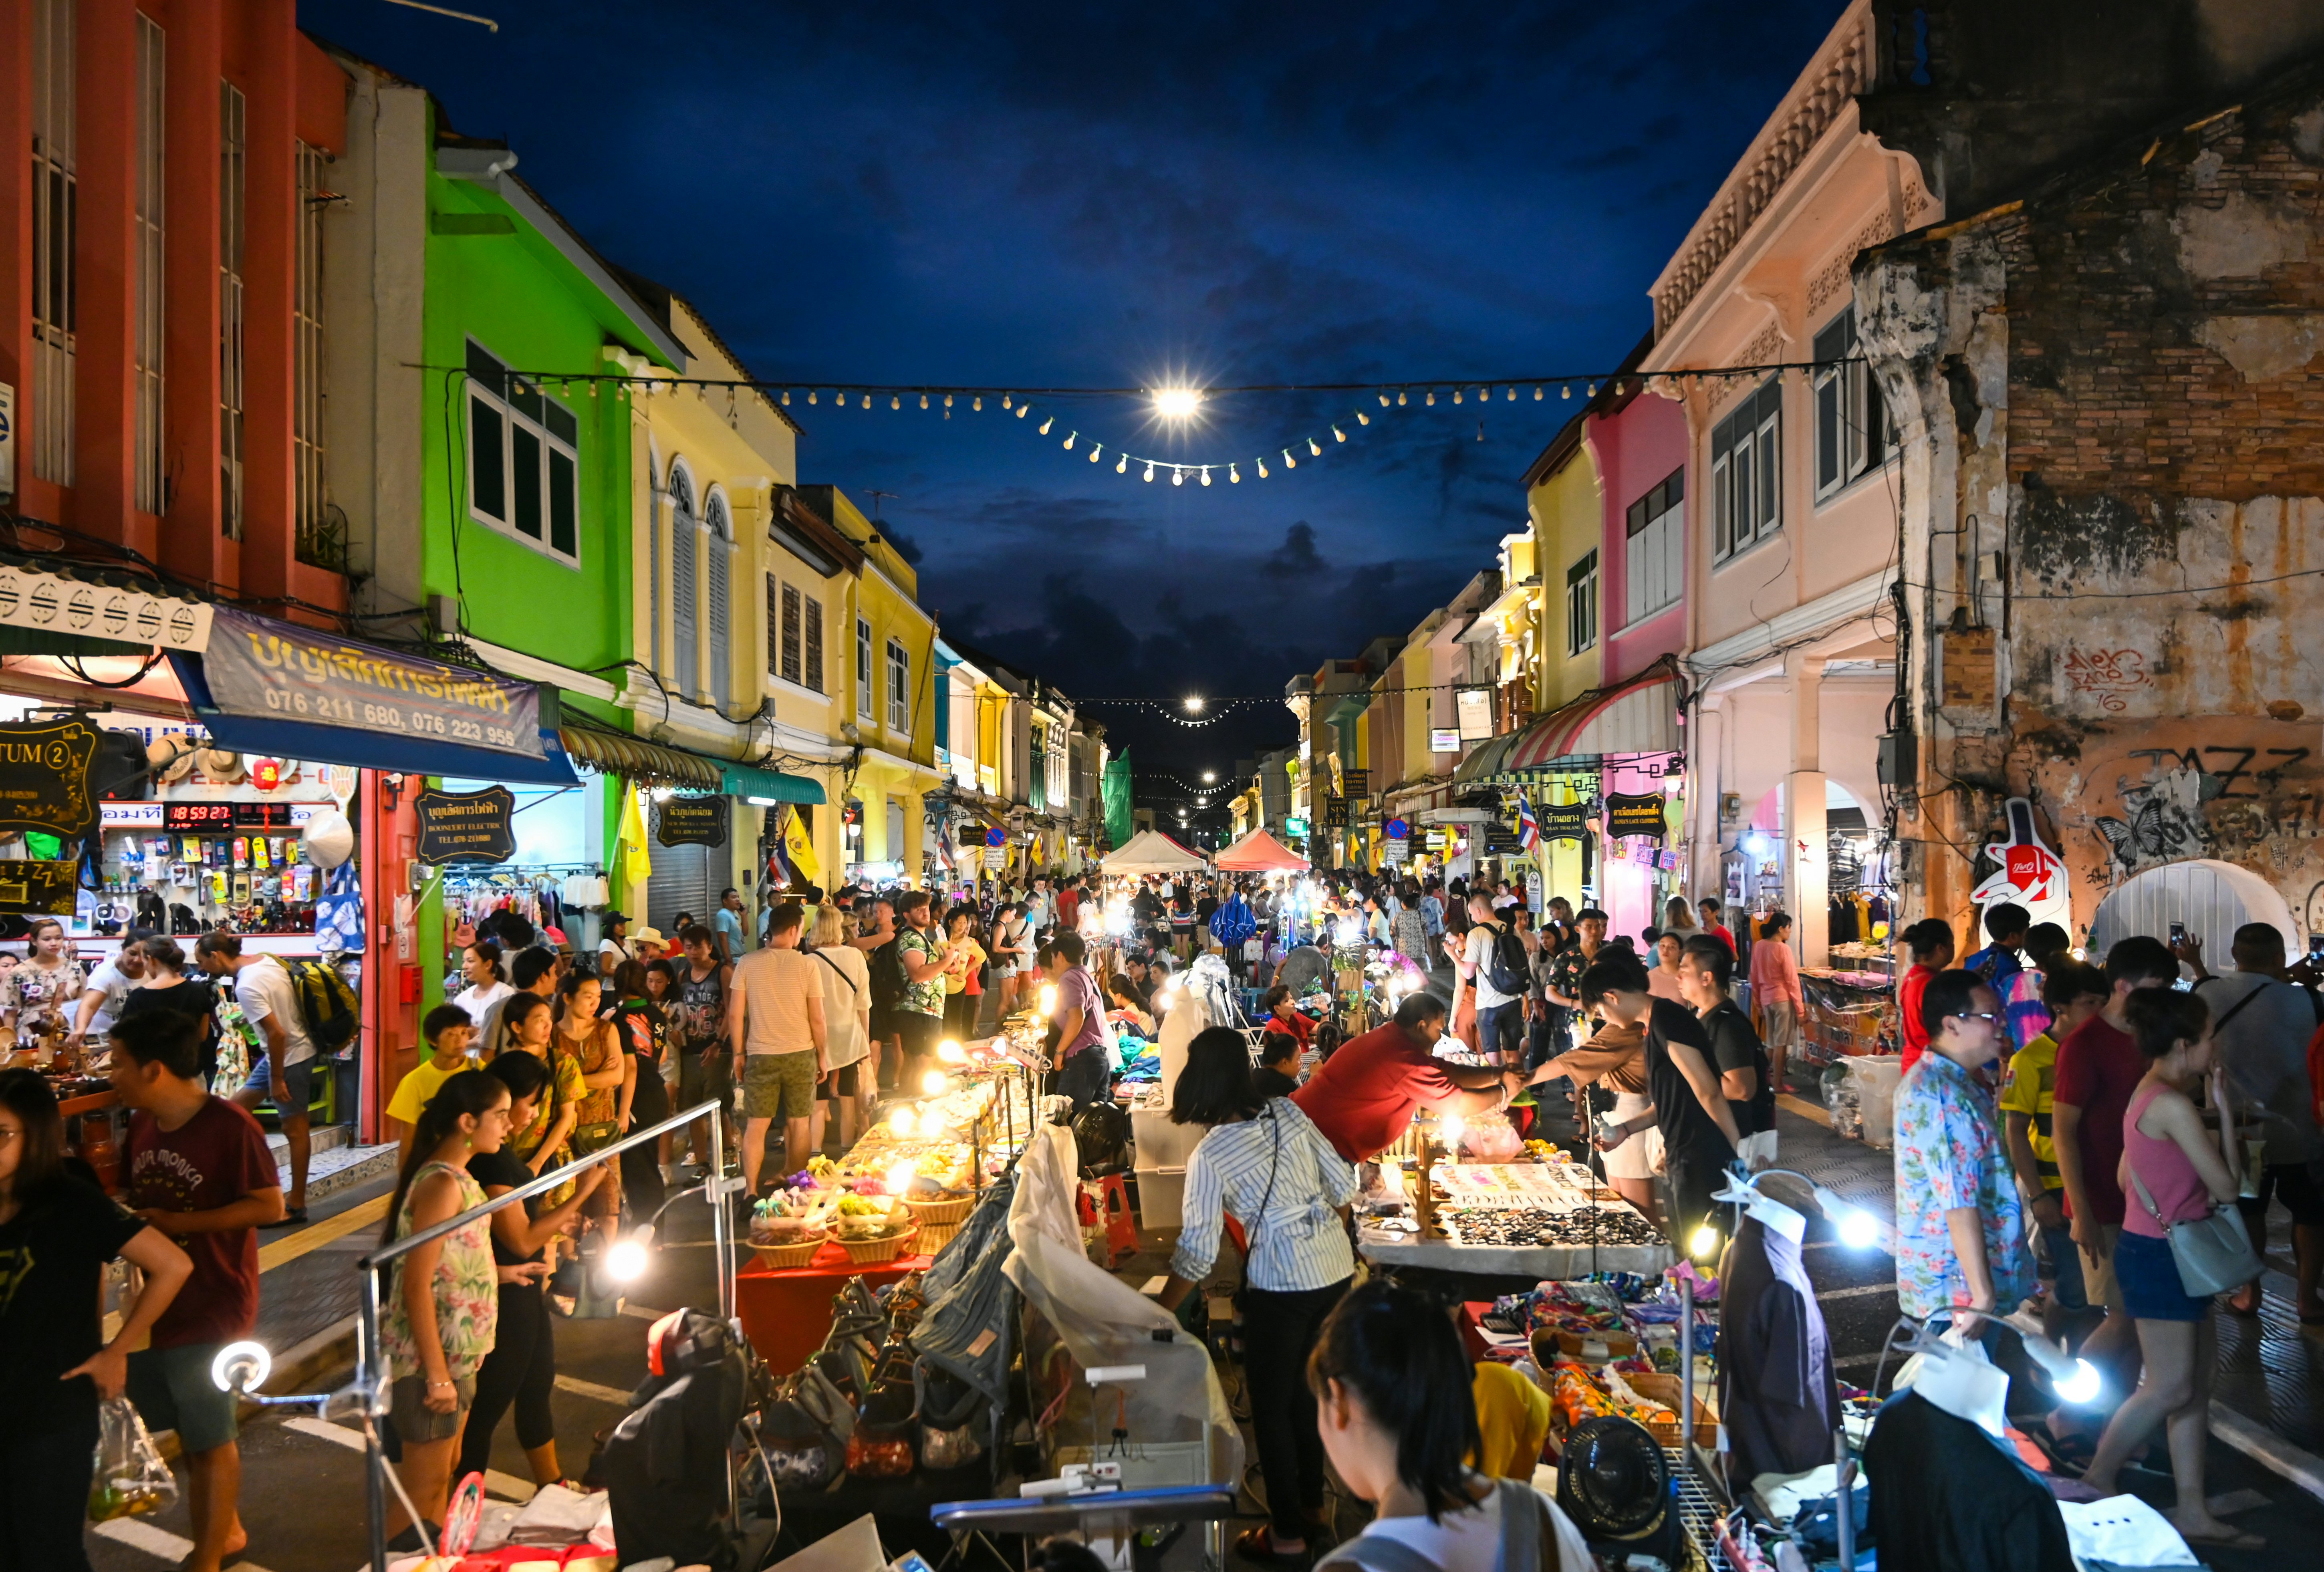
1596, 1230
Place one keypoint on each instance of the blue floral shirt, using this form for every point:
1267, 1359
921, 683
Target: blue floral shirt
1949, 1155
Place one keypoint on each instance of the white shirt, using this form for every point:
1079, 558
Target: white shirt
108, 980
846, 1038
1471, 1541
264, 988
482, 1003
1285, 1182
1479, 955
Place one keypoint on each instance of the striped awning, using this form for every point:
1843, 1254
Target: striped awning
1640, 716
613, 752
1487, 761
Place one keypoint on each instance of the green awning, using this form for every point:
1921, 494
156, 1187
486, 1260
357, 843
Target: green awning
748, 780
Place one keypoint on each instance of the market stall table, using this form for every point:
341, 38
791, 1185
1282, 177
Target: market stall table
786, 1312
1543, 1220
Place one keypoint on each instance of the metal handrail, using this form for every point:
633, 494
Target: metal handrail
370, 1384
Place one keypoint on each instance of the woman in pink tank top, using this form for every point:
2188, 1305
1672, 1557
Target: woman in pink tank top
2172, 1171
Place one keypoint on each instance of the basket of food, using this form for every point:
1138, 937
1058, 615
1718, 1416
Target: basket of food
938, 1210
786, 1242
1664, 1390
872, 1244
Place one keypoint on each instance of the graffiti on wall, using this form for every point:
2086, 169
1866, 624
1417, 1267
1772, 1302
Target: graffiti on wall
2162, 822
2109, 676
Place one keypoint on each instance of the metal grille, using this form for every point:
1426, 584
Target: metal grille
2211, 898
56, 223
319, 540
234, 167
150, 103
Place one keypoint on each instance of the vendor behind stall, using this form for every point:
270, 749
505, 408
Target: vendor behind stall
1689, 1104
1616, 1054
1364, 1096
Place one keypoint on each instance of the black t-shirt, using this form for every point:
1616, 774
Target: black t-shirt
53, 1257
1270, 1082
1734, 1046
1687, 1132
503, 1170
186, 998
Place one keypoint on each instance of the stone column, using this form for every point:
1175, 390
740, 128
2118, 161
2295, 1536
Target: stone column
1806, 871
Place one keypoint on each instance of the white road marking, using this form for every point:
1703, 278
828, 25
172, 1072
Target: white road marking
246, 1567
508, 1487
323, 1429
580, 1387
139, 1535
1856, 1293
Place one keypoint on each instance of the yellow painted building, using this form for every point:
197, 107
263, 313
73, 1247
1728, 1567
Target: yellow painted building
1565, 510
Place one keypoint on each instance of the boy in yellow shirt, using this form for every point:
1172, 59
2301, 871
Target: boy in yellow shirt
2074, 991
448, 1027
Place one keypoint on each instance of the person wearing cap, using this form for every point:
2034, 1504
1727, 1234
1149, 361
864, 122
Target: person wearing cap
649, 945
614, 948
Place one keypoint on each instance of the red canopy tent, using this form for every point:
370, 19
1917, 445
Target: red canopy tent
1260, 853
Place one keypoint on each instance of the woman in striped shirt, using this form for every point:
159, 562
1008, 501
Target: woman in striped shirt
1266, 1163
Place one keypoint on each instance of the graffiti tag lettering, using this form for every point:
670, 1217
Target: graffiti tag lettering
2107, 675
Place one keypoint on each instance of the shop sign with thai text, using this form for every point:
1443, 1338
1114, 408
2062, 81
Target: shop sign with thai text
466, 826
691, 821
44, 783
1640, 814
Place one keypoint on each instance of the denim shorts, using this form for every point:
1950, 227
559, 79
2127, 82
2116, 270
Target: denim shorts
2150, 1281
173, 1391
298, 1080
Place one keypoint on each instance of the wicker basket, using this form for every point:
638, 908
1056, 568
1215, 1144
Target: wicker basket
1665, 1390
873, 1252
935, 1237
949, 1212
783, 1256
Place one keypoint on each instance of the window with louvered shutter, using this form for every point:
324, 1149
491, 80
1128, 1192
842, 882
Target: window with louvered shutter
811, 643
775, 590
792, 671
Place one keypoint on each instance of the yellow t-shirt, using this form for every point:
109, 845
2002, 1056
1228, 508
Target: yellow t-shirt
1513, 1417
2033, 1088
419, 1084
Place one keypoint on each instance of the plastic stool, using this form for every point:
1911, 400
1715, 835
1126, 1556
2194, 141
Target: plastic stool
1121, 1222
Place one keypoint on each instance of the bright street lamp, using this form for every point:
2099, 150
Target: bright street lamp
1178, 404
1209, 776
1193, 704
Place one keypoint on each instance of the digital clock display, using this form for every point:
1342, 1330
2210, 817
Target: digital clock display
198, 816
262, 815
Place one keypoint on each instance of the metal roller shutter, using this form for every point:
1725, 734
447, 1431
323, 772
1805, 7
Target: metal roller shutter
684, 879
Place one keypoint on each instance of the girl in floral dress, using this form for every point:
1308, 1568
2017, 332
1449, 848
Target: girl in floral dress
37, 995
528, 1026
443, 1298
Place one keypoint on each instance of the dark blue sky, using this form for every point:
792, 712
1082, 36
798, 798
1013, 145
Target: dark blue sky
1006, 193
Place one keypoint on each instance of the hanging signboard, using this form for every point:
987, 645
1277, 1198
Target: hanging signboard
1335, 813
996, 839
1563, 820
1640, 815
47, 889
1397, 828
691, 821
466, 827
1356, 783
1474, 708
271, 670
2029, 874
996, 857
1392, 852
1444, 739
1294, 827
44, 782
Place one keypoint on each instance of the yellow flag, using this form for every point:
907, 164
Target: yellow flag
636, 861
799, 847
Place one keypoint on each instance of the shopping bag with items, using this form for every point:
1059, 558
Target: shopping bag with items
130, 1479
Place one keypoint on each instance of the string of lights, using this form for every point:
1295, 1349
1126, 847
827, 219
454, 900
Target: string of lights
1172, 405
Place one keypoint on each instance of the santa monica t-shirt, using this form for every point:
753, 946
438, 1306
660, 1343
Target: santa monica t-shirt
213, 1159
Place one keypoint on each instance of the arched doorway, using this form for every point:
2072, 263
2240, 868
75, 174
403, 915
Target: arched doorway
2213, 898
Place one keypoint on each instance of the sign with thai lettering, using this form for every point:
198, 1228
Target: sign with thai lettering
1639, 814
466, 827
1355, 782
273, 670
1563, 820
697, 821
44, 778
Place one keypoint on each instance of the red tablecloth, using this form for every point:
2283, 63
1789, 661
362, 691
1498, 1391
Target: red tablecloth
786, 1313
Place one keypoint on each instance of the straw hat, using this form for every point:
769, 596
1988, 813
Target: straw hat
221, 765
172, 758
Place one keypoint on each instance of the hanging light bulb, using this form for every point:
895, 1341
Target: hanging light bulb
1513, 394
1338, 435
1399, 397
1262, 468
810, 395
867, 401
1536, 395
1315, 452
1121, 466
1288, 461
1432, 398
1069, 438
1456, 396
1206, 475
924, 401
1565, 390
947, 401
1149, 471
1047, 422
977, 404
1023, 410
593, 390
1177, 476
1364, 420
787, 396
1383, 399
1097, 452
1004, 401
1594, 389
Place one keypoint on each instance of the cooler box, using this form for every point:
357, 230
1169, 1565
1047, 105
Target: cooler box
1161, 1197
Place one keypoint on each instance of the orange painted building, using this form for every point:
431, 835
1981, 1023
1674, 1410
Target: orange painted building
160, 263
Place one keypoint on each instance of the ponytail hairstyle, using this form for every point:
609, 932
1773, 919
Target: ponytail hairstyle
1395, 1351
488, 951
515, 1010
471, 1094
2161, 1019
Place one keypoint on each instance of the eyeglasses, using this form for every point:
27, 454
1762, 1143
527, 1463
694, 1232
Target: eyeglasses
1994, 1016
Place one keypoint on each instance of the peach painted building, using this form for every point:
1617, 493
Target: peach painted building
160, 265
1790, 512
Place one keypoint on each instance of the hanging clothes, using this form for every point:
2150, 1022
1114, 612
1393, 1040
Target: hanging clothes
1946, 1494
1776, 1392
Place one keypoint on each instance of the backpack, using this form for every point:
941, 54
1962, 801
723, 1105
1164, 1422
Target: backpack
328, 1007
887, 978
1506, 967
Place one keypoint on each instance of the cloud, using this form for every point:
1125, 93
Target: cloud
1295, 557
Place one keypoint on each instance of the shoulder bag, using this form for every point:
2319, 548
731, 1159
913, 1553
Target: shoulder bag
2214, 1255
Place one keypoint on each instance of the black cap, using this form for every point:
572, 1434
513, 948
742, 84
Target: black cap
613, 917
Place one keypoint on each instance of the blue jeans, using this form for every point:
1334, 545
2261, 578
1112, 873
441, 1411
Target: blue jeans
1083, 1078
2066, 1261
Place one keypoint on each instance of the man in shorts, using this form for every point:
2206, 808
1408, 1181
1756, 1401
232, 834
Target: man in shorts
774, 1014
283, 1072
199, 1170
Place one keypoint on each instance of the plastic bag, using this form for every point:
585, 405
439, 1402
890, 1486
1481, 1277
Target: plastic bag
129, 1480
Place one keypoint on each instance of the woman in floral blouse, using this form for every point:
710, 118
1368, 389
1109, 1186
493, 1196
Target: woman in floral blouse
40, 991
443, 1297
528, 1026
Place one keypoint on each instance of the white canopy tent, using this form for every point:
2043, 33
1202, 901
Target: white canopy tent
1149, 851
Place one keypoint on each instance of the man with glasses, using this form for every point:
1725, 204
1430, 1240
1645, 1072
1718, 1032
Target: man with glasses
1961, 1228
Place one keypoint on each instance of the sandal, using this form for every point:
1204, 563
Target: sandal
2234, 1538
1258, 1545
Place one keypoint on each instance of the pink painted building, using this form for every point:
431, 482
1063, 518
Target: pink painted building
1639, 442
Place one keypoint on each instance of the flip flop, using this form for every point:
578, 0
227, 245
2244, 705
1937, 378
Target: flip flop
1258, 1545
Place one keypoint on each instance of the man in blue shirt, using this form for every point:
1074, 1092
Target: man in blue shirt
2005, 923
726, 922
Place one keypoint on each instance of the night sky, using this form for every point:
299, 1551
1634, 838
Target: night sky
1007, 194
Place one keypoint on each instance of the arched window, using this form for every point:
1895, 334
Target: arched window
682, 597
720, 545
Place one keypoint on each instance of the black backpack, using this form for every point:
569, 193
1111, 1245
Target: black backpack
1506, 967
888, 979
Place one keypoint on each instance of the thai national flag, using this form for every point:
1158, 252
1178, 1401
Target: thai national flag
1528, 826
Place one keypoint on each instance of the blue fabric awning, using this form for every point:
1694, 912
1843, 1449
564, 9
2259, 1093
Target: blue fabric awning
748, 780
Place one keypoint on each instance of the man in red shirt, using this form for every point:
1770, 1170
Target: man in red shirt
1069, 907
1930, 942
1711, 909
200, 1171
2098, 1068
1364, 1096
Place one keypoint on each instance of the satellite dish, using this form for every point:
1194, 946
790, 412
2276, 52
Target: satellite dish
330, 839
